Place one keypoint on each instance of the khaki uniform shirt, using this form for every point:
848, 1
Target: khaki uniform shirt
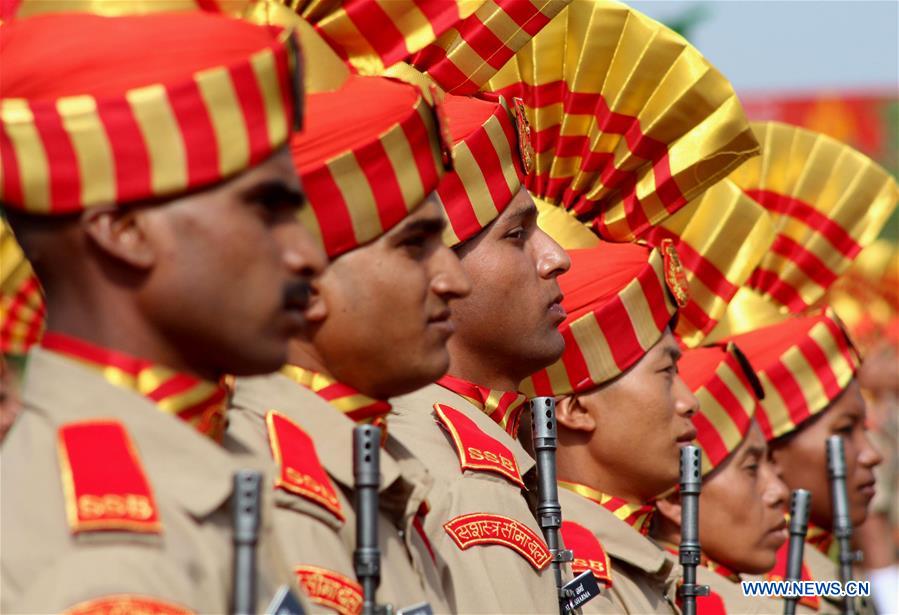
731, 596
46, 568
486, 576
311, 534
644, 575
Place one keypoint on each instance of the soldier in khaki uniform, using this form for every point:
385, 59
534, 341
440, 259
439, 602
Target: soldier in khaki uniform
140, 191
741, 521
489, 549
379, 325
617, 384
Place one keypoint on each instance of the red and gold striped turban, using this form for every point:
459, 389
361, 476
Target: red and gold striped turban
828, 201
371, 152
467, 55
803, 363
89, 117
728, 391
21, 299
629, 121
620, 298
487, 163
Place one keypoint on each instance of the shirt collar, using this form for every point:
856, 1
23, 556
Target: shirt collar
198, 402
503, 407
638, 516
823, 541
354, 405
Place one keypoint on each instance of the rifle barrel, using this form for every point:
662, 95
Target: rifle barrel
367, 480
842, 522
800, 505
246, 504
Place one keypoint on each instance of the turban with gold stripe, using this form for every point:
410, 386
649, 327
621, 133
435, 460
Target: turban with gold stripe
804, 363
488, 168
21, 302
620, 299
827, 200
629, 121
728, 391
371, 152
89, 117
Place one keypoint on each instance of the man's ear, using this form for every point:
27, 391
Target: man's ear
121, 235
573, 415
669, 507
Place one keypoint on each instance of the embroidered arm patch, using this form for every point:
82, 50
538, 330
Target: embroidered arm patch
487, 529
476, 450
300, 470
330, 589
588, 552
124, 603
103, 480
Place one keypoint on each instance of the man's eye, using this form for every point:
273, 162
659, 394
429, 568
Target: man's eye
516, 234
752, 469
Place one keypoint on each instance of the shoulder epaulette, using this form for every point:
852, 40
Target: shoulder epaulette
588, 552
780, 570
125, 603
477, 451
331, 589
713, 604
300, 470
103, 480
485, 528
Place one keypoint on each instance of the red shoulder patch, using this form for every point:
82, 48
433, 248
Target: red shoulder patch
124, 603
588, 552
477, 451
484, 528
713, 604
331, 589
780, 570
300, 470
103, 480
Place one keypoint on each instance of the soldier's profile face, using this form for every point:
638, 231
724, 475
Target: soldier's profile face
744, 492
388, 306
803, 460
649, 407
512, 316
232, 270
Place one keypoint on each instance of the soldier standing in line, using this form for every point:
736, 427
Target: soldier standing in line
617, 385
149, 192
741, 520
378, 327
465, 427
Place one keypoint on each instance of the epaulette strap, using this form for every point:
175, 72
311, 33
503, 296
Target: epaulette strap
299, 469
477, 451
588, 552
103, 480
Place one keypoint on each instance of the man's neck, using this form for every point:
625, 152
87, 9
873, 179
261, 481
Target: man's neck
470, 368
302, 354
122, 331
